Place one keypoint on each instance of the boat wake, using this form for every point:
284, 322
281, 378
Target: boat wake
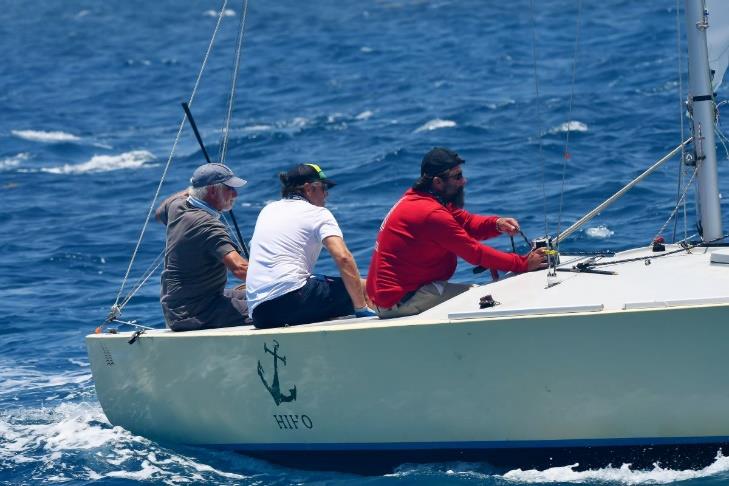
74, 441
624, 475
621, 475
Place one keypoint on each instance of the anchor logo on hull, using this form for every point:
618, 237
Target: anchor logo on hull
275, 388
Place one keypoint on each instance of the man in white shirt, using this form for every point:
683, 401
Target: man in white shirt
281, 288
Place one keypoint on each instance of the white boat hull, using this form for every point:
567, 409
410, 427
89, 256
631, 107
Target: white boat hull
474, 389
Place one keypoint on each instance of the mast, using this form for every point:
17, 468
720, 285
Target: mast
701, 102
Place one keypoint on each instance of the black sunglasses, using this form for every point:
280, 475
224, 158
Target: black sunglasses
445, 175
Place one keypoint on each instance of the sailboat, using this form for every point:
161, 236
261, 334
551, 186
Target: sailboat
618, 358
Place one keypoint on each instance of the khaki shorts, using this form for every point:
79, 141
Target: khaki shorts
424, 298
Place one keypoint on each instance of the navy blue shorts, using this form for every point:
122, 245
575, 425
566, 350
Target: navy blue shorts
320, 299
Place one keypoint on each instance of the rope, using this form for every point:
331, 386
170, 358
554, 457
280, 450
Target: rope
232, 233
566, 155
720, 135
678, 205
169, 161
539, 116
684, 247
680, 118
143, 279
234, 83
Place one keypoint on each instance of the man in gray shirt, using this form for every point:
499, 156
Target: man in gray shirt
199, 254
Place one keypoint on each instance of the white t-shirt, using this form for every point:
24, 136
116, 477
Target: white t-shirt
285, 246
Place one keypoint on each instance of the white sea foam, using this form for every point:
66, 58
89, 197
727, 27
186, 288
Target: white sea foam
258, 128
13, 161
365, 115
621, 475
105, 163
73, 430
45, 137
365, 49
599, 232
571, 126
17, 379
435, 125
228, 12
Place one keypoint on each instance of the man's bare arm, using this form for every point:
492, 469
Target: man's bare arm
347, 269
237, 265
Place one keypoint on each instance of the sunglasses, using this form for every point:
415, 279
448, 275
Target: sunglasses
445, 175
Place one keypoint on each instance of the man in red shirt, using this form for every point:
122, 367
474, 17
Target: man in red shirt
423, 235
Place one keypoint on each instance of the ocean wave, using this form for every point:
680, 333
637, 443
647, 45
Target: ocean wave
258, 128
45, 137
435, 125
228, 12
621, 475
599, 232
105, 163
570, 126
365, 115
13, 161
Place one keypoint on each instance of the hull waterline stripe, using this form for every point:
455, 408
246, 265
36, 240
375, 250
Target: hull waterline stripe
507, 444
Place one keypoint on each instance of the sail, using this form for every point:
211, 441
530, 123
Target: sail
717, 39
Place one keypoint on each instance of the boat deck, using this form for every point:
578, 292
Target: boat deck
666, 281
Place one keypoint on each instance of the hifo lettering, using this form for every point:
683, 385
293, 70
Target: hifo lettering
293, 422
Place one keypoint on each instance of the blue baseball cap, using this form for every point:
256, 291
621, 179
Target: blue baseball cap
210, 174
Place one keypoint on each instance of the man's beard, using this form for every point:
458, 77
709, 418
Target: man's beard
458, 199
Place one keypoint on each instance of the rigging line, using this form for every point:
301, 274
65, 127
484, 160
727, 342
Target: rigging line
686, 248
135, 290
539, 115
234, 83
230, 230
151, 269
172, 153
680, 117
133, 324
566, 155
717, 129
678, 205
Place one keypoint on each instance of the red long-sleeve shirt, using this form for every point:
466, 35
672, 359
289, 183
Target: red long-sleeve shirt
419, 242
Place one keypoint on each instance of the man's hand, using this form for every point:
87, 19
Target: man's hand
509, 226
537, 259
237, 265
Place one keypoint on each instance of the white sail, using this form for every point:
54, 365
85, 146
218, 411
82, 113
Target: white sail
717, 37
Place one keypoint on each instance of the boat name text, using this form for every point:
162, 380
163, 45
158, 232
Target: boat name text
290, 422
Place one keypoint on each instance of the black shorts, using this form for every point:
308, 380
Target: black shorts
320, 299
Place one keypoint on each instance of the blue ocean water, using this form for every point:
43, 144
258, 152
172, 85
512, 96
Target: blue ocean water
90, 98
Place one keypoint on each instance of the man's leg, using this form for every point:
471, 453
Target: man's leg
321, 299
426, 297
231, 310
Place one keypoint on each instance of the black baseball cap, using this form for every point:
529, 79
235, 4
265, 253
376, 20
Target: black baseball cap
303, 173
438, 161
